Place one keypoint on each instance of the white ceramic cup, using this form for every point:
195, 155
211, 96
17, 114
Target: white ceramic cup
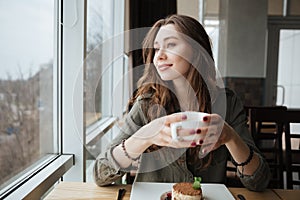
194, 121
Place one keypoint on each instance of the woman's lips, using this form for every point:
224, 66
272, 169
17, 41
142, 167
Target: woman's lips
164, 67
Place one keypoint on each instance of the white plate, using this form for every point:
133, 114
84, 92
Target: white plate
153, 191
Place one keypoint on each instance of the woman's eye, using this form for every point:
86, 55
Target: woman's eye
171, 45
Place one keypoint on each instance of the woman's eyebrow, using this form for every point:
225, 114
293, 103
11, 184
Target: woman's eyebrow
170, 37
167, 38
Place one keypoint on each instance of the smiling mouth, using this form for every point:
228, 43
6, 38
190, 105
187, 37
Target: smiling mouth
164, 67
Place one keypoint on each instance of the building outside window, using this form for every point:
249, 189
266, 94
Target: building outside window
28, 133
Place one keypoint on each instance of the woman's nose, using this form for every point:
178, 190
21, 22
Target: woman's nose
161, 54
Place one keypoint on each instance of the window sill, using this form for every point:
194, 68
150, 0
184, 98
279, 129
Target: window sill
96, 131
38, 183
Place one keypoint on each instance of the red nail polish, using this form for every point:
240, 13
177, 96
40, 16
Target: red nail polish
205, 118
193, 144
198, 130
169, 195
192, 132
183, 117
200, 141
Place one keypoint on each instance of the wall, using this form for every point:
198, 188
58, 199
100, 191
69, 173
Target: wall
242, 47
243, 26
190, 8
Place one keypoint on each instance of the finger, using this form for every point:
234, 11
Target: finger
208, 130
176, 117
209, 138
210, 141
185, 132
207, 149
217, 145
166, 134
209, 144
211, 147
183, 143
212, 118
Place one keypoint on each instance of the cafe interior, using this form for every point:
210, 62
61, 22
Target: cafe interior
69, 68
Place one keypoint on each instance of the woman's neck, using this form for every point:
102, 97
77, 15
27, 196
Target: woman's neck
183, 93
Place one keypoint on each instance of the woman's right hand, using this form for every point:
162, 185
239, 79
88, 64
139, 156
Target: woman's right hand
158, 132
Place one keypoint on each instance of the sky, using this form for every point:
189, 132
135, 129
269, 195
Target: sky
26, 36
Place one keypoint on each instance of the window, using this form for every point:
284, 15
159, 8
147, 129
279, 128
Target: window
212, 29
104, 63
209, 16
103, 67
28, 88
97, 73
44, 88
104, 73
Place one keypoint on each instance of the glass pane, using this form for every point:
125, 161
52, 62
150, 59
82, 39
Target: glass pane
288, 68
212, 29
104, 68
288, 93
97, 72
26, 85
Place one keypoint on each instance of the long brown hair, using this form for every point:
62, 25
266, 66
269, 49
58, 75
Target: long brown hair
201, 76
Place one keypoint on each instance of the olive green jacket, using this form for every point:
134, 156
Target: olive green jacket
169, 164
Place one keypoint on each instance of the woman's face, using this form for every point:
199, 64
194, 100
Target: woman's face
172, 54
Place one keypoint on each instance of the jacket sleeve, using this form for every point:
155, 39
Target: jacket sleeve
106, 170
238, 120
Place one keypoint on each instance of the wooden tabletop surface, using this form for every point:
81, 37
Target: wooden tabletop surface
80, 190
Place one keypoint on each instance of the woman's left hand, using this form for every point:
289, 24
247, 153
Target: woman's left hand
217, 133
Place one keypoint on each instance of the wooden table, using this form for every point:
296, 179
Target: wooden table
79, 190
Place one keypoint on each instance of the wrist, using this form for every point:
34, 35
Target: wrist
244, 163
143, 137
247, 161
135, 158
231, 135
139, 138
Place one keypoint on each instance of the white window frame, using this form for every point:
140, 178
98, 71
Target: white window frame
97, 130
75, 135
115, 75
43, 174
73, 139
68, 119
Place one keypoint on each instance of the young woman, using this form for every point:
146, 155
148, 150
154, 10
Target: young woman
180, 76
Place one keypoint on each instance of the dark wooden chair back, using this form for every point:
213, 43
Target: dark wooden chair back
266, 125
292, 155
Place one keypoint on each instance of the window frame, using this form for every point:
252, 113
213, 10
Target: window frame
41, 175
96, 130
69, 53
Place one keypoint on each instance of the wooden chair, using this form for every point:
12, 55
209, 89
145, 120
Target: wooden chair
292, 155
266, 125
232, 179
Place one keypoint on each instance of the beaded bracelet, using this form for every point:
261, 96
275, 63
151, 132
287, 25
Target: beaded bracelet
126, 154
244, 163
